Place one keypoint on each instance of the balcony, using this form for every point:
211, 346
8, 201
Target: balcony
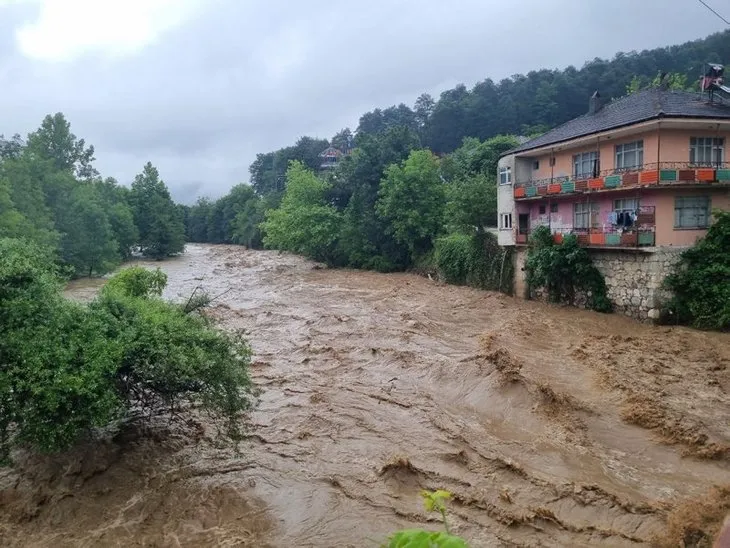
641, 233
648, 175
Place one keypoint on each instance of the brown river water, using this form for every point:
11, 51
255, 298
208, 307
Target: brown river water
551, 426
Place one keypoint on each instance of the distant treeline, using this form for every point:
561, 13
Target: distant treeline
51, 194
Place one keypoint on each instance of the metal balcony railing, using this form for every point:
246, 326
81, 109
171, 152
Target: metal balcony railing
664, 173
640, 232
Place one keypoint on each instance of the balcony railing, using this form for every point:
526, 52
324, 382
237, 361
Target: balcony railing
640, 233
647, 175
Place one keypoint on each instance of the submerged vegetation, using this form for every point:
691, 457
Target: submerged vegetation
68, 368
564, 270
700, 283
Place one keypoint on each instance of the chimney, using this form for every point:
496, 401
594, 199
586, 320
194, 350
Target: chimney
594, 103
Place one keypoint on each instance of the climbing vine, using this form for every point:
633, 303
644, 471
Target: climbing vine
563, 270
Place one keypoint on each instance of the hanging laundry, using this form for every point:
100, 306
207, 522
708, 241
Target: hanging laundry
612, 217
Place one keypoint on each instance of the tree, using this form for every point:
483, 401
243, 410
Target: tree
472, 203
245, 227
423, 109
69, 368
54, 141
343, 140
411, 199
304, 223
88, 242
161, 230
700, 279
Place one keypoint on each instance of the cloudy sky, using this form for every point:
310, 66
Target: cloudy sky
200, 86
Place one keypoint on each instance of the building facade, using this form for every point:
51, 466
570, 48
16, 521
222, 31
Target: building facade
638, 176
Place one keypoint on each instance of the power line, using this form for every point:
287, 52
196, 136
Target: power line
713, 11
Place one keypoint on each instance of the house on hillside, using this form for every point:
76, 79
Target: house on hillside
635, 180
330, 157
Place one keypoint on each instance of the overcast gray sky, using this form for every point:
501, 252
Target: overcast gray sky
198, 87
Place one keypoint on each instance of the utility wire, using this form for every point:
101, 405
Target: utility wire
713, 11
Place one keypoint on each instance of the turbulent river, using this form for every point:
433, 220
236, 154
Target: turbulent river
552, 426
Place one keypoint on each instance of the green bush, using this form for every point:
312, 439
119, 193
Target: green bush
562, 269
701, 280
66, 368
475, 260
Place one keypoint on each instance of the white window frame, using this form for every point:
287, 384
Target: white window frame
626, 204
505, 175
586, 164
505, 221
585, 215
706, 151
626, 152
692, 212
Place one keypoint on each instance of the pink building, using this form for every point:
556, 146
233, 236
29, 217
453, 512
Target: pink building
642, 173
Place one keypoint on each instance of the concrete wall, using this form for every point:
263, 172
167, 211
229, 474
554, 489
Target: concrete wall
506, 202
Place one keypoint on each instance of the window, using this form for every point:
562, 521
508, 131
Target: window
542, 209
505, 221
706, 151
630, 155
691, 212
585, 215
536, 164
586, 165
505, 175
626, 204
553, 208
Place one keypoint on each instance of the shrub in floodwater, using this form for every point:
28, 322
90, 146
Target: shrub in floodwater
562, 269
420, 538
476, 260
66, 368
700, 279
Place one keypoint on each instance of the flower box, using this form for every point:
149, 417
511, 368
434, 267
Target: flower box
614, 238
554, 188
558, 238
646, 238
650, 177
568, 186
630, 179
531, 191
723, 175
705, 174
612, 181
667, 175
542, 190
595, 184
582, 239
597, 239
581, 185
629, 239
686, 175
520, 192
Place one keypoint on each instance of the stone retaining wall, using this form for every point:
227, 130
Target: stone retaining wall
633, 278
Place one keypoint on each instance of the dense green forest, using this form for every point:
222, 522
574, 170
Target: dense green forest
51, 194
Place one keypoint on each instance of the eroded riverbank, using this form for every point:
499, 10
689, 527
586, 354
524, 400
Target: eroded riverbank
552, 426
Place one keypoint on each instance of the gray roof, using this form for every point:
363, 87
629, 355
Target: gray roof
632, 109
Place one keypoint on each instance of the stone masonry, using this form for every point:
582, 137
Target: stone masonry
633, 278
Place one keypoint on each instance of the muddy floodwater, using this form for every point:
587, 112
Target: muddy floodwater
552, 426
